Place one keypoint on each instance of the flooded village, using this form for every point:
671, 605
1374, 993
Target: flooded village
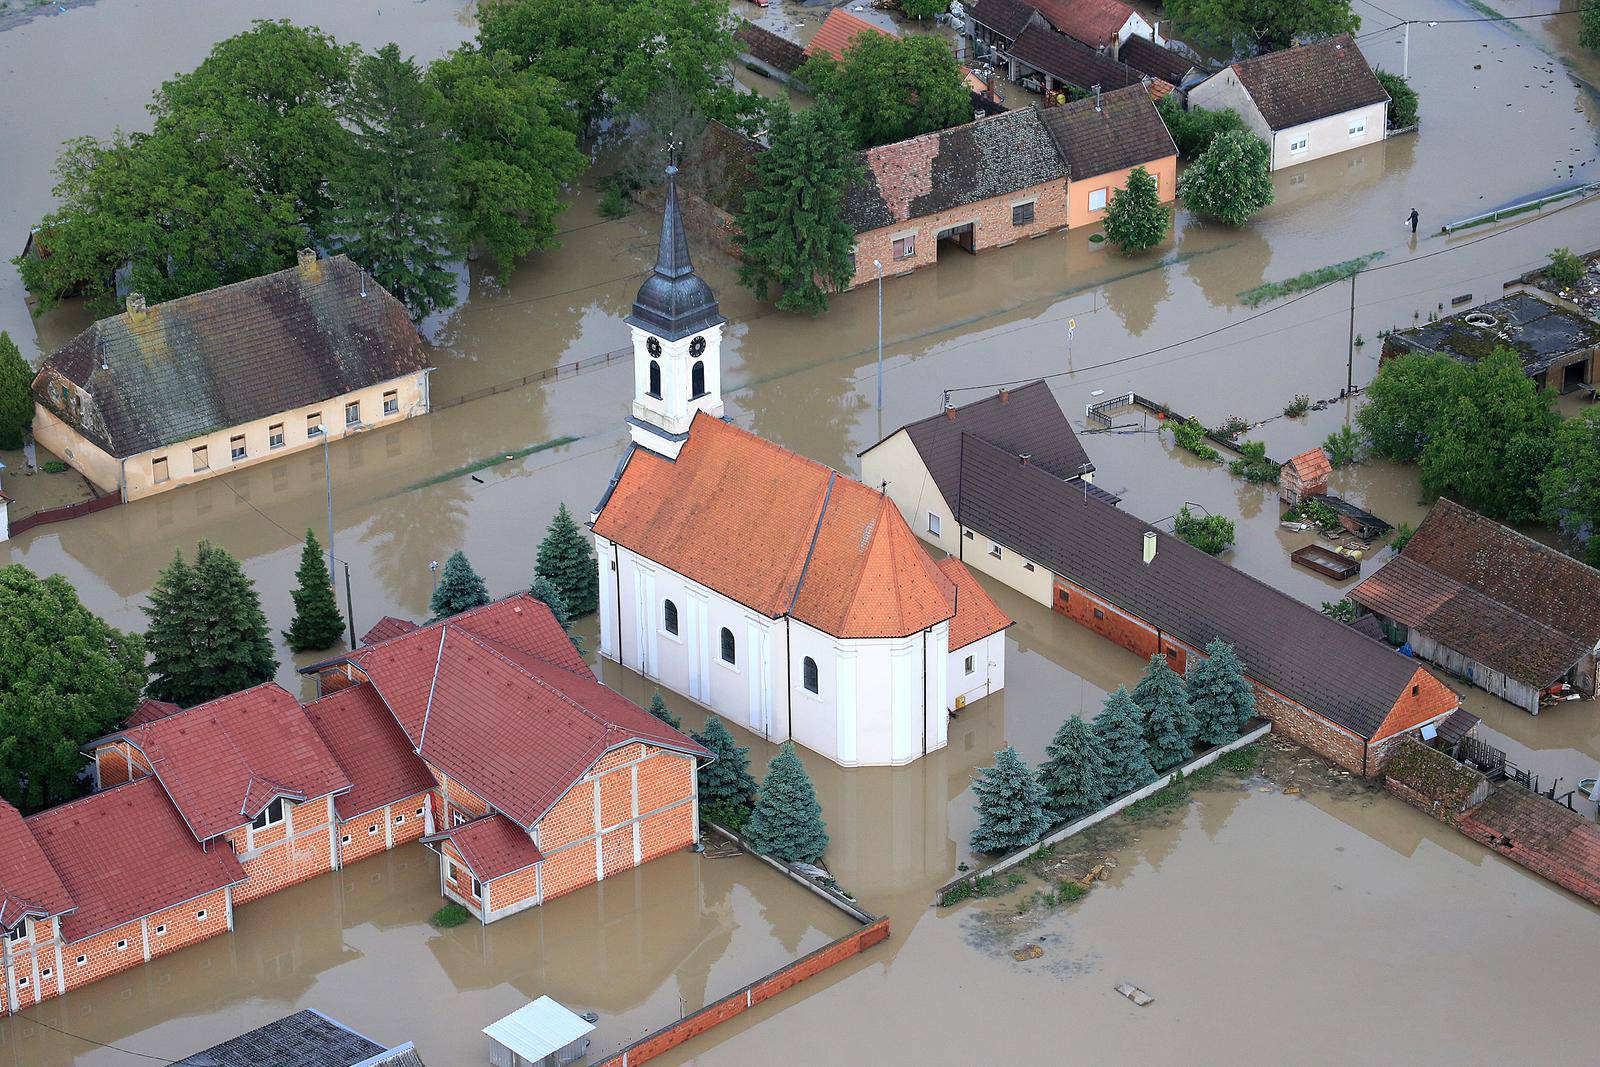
1264, 901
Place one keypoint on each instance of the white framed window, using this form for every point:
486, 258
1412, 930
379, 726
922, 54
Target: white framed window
201, 915
161, 930
1358, 127
391, 402
18, 932
457, 818
1022, 214
1300, 143
345, 839
352, 413
966, 665
372, 831
994, 550
81, 961
669, 617
1097, 199
905, 247
419, 813
809, 675
933, 524
275, 435
47, 974
236, 447
270, 815
122, 946
22, 982
314, 424
400, 820
729, 651
477, 889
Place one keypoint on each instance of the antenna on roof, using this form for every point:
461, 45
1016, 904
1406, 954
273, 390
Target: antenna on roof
363, 272
1096, 88
105, 364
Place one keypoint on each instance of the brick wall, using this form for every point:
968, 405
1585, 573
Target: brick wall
184, 927
118, 763
458, 881
1312, 731
513, 892
1110, 622
571, 868
290, 852
458, 798
366, 832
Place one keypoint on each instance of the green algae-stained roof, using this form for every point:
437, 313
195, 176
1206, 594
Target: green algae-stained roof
232, 355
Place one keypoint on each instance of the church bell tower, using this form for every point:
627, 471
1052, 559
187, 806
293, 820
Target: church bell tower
677, 343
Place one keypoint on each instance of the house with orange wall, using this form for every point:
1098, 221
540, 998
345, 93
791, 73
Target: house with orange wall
1101, 139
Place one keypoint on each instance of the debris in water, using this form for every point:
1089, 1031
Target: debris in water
1292, 791
1027, 952
1134, 993
1098, 872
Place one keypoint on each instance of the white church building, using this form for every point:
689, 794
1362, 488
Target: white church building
781, 594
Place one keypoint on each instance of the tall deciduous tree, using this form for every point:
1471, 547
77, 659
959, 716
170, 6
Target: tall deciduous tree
1248, 26
726, 779
1170, 725
393, 202
1570, 485
787, 821
792, 232
1589, 23
1011, 805
459, 589
317, 622
1136, 219
1407, 402
891, 88
567, 559
1231, 180
66, 678
1402, 100
513, 150
208, 636
1220, 694
1074, 773
16, 393
1121, 728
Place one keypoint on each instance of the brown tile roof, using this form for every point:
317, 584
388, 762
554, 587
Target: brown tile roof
232, 355
779, 533
385, 628
1007, 18
1070, 60
1310, 81
1158, 61
1094, 22
775, 51
223, 761
498, 699
1311, 466
995, 156
126, 853
491, 847
371, 749
838, 30
29, 886
1492, 594
1022, 420
1124, 131
977, 616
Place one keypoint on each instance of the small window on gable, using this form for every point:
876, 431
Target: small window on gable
669, 617
808, 675
933, 524
1414, 690
967, 535
271, 815
728, 650
1099, 614
18, 932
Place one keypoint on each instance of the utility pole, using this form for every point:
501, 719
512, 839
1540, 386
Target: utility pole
878, 263
1350, 356
1405, 62
327, 475
349, 606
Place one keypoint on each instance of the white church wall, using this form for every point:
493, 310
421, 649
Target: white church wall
988, 673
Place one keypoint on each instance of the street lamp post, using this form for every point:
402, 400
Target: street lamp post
327, 475
878, 263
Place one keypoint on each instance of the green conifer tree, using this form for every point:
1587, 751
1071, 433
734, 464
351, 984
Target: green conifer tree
1120, 727
787, 821
567, 559
317, 622
1074, 773
207, 636
16, 394
725, 780
1170, 725
658, 708
459, 587
1220, 695
547, 593
1011, 805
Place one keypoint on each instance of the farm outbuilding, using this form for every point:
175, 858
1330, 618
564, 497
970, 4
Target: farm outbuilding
1305, 475
540, 1034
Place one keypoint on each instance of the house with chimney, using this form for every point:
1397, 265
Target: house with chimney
999, 484
170, 394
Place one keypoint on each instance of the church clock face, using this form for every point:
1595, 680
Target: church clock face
697, 347
654, 345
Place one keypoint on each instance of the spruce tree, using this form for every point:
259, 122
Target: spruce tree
658, 708
546, 592
1120, 727
1011, 805
1136, 219
787, 821
459, 587
567, 559
317, 622
725, 780
16, 393
1170, 725
207, 636
392, 197
1220, 694
1075, 772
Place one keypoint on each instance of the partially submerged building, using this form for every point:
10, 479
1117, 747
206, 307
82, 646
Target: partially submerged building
1557, 346
1511, 615
1101, 139
306, 1038
995, 482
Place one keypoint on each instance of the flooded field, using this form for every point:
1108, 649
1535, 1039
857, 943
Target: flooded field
1263, 923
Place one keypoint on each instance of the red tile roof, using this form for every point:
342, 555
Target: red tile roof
225, 760
371, 749
126, 853
385, 628
838, 30
1094, 22
29, 886
491, 847
498, 699
1311, 467
977, 616
779, 533
151, 710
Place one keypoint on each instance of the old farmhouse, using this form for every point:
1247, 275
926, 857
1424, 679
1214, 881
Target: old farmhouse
1557, 346
1511, 615
993, 483
772, 589
170, 394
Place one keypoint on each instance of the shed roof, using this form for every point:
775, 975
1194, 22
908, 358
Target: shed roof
232, 355
1310, 466
385, 628
1094, 22
1539, 332
536, 1030
775, 51
837, 32
1007, 18
491, 846
1119, 130
1310, 81
307, 1038
371, 749
29, 886
1070, 60
1158, 61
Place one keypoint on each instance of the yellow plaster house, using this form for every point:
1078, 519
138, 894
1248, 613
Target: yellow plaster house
163, 396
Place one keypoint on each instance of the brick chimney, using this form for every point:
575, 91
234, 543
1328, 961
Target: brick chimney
309, 265
1005, 396
950, 412
137, 309
1149, 546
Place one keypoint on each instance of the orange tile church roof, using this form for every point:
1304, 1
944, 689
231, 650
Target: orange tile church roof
977, 616
779, 533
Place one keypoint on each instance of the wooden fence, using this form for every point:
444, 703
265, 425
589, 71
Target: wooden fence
66, 511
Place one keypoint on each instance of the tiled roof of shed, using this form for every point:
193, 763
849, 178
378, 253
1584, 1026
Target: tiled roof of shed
150, 710
1122, 129
305, 1039
385, 628
1093, 22
1310, 81
124, 854
977, 615
371, 749
1070, 60
775, 51
1158, 61
994, 156
1310, 466
838, 30
231, 355
491, 847
1008, 18
29, 886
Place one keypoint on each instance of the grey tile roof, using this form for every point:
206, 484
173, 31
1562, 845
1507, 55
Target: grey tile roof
994, 156
232, 355
1123, 130
1005, 17
305, 1039
1147, 57
1070, 60
1310, 81
775, 51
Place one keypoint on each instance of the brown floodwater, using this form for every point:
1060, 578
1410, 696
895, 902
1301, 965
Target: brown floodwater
1237, 915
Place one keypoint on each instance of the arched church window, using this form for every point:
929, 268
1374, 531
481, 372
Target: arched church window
808, 674
655, 379
728, 650
669, 617
697, 380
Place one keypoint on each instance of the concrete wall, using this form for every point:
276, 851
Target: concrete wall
988, 673
1329, 136
895, 460
1164, 171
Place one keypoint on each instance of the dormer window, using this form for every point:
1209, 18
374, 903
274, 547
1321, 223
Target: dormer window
271, 815
655, 375
18, 932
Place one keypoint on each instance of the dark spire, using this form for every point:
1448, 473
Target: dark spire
674, 301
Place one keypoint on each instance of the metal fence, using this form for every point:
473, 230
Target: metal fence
66, 511
560, 370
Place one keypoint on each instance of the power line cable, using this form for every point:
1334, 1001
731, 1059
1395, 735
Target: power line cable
101, 1044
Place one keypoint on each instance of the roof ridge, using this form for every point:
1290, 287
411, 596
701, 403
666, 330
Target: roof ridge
1478, 517
258, 279
816, 532
182, 711
427, 708
107, 791
488, 646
